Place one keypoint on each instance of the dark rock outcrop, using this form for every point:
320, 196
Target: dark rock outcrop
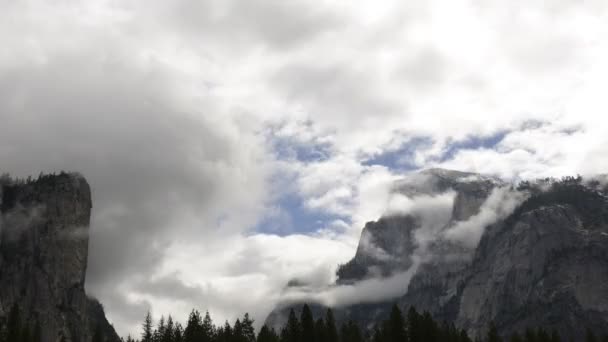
43, 257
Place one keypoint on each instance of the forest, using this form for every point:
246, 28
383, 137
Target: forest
300, 327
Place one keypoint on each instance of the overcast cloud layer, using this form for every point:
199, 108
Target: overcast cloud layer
234, 145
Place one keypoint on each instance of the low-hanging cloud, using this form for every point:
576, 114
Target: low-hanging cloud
500, 204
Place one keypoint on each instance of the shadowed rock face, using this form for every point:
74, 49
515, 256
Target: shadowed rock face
544, 264
43, 257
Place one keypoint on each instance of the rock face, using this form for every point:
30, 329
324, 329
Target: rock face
43, 257
545, 265
542, 260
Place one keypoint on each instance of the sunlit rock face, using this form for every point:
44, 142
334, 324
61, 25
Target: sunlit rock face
522, 256
43, 257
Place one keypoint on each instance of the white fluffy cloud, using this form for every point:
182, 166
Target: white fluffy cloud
171, 109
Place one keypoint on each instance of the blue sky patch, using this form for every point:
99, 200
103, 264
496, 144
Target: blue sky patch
294, 217
287, 148
401, 159
473, 143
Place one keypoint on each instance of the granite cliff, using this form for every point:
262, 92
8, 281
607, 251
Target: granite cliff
521, 256
43, 258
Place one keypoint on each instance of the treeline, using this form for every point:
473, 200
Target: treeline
302, 327
7, 179
15, 329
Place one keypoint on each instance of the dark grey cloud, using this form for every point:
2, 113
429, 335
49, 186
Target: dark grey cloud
151, 161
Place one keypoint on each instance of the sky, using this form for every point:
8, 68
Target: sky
232, 146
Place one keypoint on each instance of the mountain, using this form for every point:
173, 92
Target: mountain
44, 241
481, 250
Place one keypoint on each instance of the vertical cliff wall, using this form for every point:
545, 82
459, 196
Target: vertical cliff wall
44, 226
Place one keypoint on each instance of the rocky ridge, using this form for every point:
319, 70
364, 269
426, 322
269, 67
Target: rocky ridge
541, 261
43, 257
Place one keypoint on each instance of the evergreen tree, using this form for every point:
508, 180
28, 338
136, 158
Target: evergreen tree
247, 330
25, 334
542, 335
13, 326
555, 336
330, 326
464, 337
590, 336
377, 335
224, 334
192, 333
267, 335
307, 324
237, 332
207, 330
430, 330
178, 334
37, 335
320, 331
493, 334
159, 332
169, 331
515, 337
350, 332
291, 331
396, 326
530, 335
414, 323
147, 334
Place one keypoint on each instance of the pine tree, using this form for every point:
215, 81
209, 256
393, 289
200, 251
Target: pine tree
590, 336
147, 334
291, 331
493, 334
267, 335
350, 332
25, 334
530, 335
307, 324
159, 332
515, 337
192, 333
169, 332
320, 331
330, 326
247, 329
178, 334
396, 326
237, 332
207, 330
13, 326
414, 325
37, 335
224, 334
430, 329
555, 336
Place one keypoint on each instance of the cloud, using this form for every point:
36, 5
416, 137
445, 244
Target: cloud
500, 204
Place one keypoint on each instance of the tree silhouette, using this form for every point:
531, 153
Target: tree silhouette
307, 324
147, 333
